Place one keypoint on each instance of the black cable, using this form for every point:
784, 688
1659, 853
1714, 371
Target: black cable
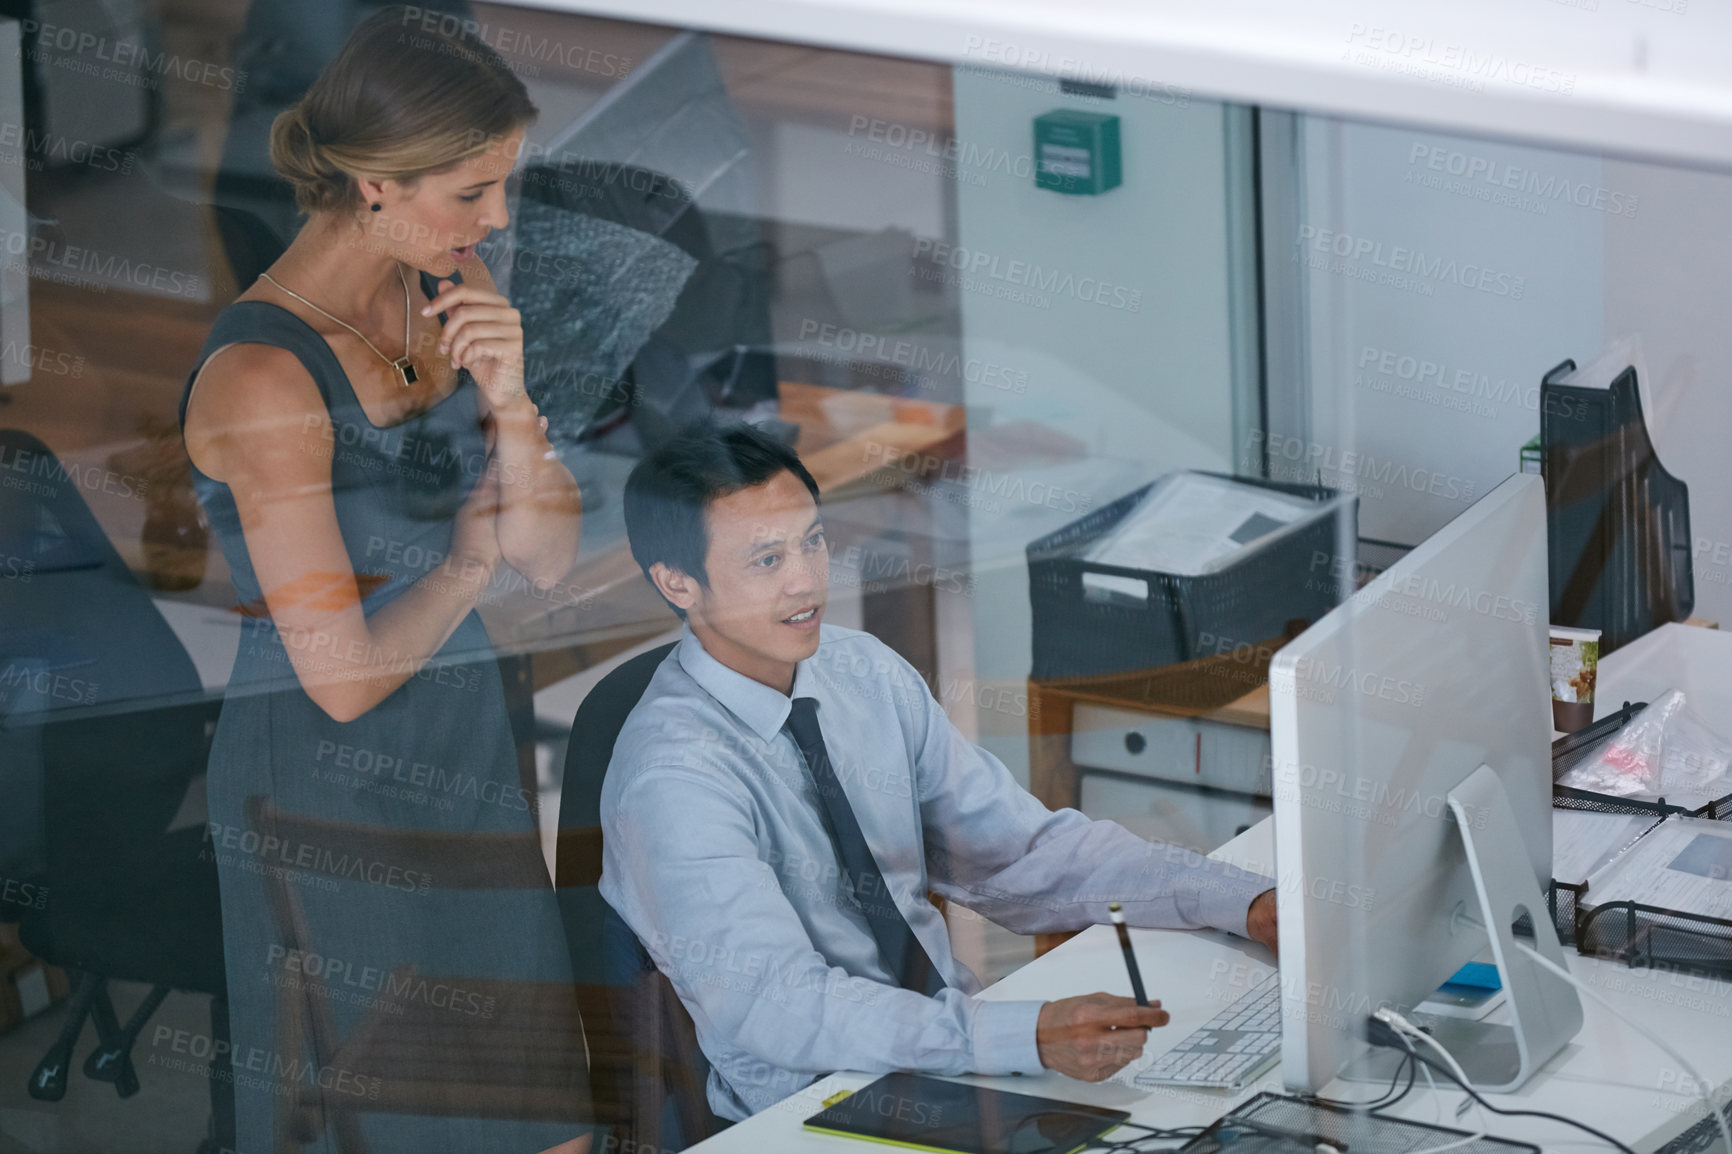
1383, 1101
1150, 1134
1474, 1094
1412, 1069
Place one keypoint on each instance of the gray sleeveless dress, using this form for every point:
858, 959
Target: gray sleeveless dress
379, 943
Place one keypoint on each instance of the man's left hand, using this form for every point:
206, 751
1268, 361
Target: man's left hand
1260, 921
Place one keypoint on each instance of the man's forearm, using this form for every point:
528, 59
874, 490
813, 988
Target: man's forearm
1074, 867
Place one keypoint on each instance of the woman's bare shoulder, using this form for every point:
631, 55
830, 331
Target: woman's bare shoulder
249, 397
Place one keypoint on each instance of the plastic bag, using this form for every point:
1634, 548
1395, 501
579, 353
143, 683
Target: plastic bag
1664, 751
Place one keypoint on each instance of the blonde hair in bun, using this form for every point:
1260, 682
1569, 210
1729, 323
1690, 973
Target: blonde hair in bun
405, 97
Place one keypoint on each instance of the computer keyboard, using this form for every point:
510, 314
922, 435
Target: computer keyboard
1231, 1049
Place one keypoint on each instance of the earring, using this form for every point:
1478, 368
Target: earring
375, 206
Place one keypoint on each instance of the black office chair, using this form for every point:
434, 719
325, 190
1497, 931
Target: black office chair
712, 347
89, 797
654, 1090
250, 245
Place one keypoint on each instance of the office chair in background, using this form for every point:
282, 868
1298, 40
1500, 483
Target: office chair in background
90, 795
654, 1083
632, 310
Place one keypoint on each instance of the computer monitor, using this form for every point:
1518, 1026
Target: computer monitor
1412, 783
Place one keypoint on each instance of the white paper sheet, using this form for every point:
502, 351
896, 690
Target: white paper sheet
1189, 524
1685, 864
1583, 842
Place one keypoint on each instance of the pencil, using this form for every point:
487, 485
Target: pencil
1117, 913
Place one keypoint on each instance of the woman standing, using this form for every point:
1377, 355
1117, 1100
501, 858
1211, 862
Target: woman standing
366, 451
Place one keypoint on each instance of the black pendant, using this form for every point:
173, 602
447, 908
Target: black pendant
406, 369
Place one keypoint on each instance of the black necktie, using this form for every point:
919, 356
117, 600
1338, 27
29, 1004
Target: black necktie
900, 950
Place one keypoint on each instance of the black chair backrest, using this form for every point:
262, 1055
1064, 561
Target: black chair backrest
603, 948
78, 630
712, 349
102, 729
594, 731
250, 244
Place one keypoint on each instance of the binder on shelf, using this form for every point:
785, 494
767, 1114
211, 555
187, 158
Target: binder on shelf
1617, 523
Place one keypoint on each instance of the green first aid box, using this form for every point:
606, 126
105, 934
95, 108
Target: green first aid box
1076, 152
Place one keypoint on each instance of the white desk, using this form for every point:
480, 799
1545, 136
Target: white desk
1609, 1077
1674, 656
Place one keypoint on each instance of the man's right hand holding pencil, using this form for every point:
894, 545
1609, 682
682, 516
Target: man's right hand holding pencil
1093, 1037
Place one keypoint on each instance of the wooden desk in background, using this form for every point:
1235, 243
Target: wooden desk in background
1055, 778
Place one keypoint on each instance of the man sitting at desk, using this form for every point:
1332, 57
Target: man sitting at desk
787, 793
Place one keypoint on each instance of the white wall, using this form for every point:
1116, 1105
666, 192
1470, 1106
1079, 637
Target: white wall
1622, 249
1435, 303
831, 178
1113, 396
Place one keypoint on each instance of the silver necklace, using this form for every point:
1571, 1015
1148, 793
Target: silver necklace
404, 366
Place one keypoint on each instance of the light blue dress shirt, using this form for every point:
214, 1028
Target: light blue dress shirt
718, 858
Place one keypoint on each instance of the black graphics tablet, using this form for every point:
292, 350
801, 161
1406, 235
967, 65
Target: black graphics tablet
921, 1113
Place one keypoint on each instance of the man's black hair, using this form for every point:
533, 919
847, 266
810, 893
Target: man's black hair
670, 490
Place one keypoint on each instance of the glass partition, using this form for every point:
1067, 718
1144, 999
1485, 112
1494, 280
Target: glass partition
312, 823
